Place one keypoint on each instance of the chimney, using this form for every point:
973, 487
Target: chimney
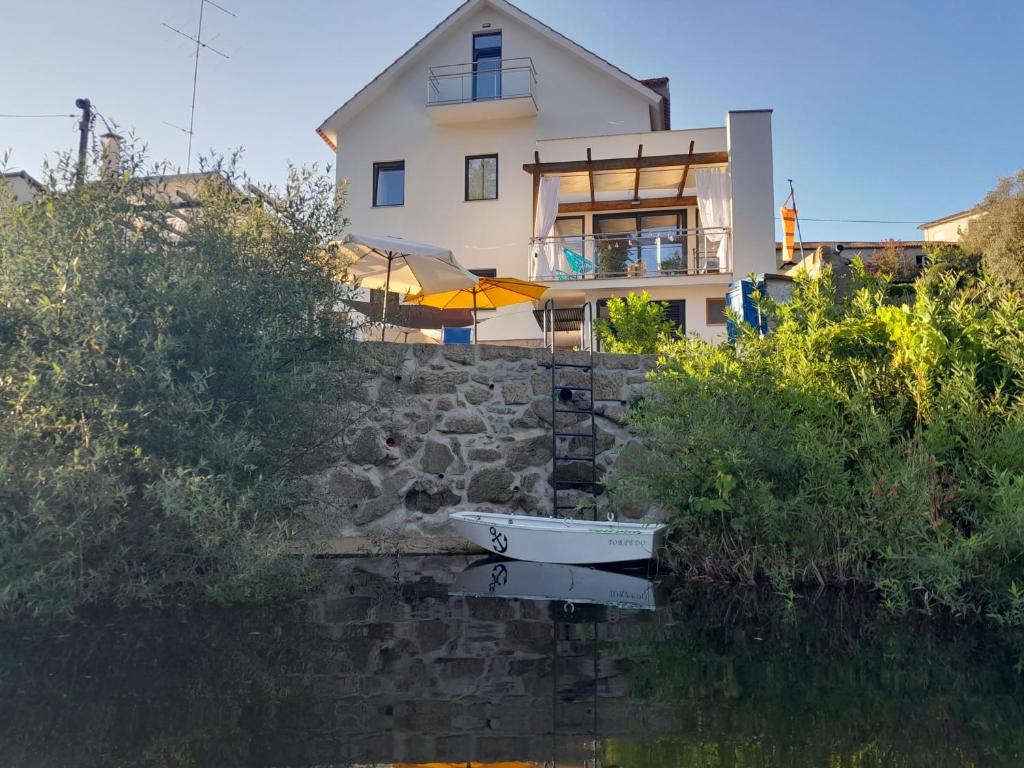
111, 165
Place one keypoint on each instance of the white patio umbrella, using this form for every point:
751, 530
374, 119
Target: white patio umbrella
403, 266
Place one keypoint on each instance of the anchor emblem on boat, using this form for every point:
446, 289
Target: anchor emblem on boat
498, 540
499, 577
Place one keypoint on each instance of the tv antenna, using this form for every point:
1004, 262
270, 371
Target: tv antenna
200, 46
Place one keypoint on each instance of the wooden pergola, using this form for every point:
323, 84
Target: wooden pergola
641, 162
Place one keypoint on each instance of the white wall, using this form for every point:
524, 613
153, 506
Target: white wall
948, 231
753, 206
16, 189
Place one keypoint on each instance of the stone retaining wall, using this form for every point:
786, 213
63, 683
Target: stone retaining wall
461, 427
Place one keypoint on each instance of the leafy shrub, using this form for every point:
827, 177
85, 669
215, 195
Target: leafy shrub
635, 325
859, 441
164, 378
997, 234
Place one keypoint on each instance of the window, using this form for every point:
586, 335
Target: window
487, 66
482, 177
714, 311
389, 183
484, 272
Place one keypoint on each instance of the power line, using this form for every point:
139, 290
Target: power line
38, 115
860, 221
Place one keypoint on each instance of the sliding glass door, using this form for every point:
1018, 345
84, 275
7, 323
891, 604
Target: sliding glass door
639, 244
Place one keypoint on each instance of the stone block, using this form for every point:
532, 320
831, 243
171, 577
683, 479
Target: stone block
614, 412
515, 393
350, 487
492, 484
437, 457
428, 496
475, 394
463, 354
462, 421
439, 382
484, 454
368, 447
531, 452
493, 352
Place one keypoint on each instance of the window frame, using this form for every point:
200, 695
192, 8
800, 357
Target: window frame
707, 313
465, 178
387, 165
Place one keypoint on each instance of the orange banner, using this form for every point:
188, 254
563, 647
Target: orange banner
788, 232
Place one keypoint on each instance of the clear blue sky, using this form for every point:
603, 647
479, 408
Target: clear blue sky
896, 109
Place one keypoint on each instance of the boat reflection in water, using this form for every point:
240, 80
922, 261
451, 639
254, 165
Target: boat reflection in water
549, 581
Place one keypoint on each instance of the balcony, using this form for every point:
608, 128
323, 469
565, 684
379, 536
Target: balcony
491, 90
647, 254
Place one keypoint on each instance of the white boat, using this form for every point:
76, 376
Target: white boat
552, 581
560, 540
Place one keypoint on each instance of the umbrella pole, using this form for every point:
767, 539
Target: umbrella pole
384, 304
475, 340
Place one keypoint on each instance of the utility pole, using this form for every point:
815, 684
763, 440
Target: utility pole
83, 138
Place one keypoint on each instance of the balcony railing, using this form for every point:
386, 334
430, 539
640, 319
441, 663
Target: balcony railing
664, 253
485, 80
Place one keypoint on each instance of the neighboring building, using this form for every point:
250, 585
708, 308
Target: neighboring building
494, 129
838, 254
18, 187
949, 229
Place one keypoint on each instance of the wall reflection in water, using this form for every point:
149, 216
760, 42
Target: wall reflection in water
457, 660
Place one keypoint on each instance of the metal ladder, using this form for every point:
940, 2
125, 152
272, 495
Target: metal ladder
566, 399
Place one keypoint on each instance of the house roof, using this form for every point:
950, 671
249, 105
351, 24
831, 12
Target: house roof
327, 129
22, 175
950, 217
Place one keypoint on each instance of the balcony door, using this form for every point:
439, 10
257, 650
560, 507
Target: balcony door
638, 244
487, 66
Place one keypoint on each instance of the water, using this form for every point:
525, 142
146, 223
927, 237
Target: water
395, 661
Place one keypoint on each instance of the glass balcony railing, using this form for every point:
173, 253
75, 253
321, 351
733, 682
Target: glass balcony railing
662, 253
486, 80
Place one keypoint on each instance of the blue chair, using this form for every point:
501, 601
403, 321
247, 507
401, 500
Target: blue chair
577, 263
456, 335
561, 274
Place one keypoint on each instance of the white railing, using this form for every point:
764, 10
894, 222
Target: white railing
485, 80
658, 253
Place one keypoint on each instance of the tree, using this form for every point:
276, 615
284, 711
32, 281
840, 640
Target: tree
997, 235
165, 374
635, 325
891, 261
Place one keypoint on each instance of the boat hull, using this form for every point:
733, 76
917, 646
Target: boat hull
560, 540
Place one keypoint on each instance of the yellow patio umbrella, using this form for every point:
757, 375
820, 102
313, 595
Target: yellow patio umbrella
488, 293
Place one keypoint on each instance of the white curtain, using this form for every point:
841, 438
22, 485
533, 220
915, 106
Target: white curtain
547, 211
714, 200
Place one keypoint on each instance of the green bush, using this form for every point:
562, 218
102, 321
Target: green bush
858, 442
635, 325
164, 374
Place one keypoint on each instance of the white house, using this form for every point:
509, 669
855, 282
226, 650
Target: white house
18, 187
531, 157
949, 229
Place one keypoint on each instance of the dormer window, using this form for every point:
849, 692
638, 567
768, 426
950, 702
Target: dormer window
487, 66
